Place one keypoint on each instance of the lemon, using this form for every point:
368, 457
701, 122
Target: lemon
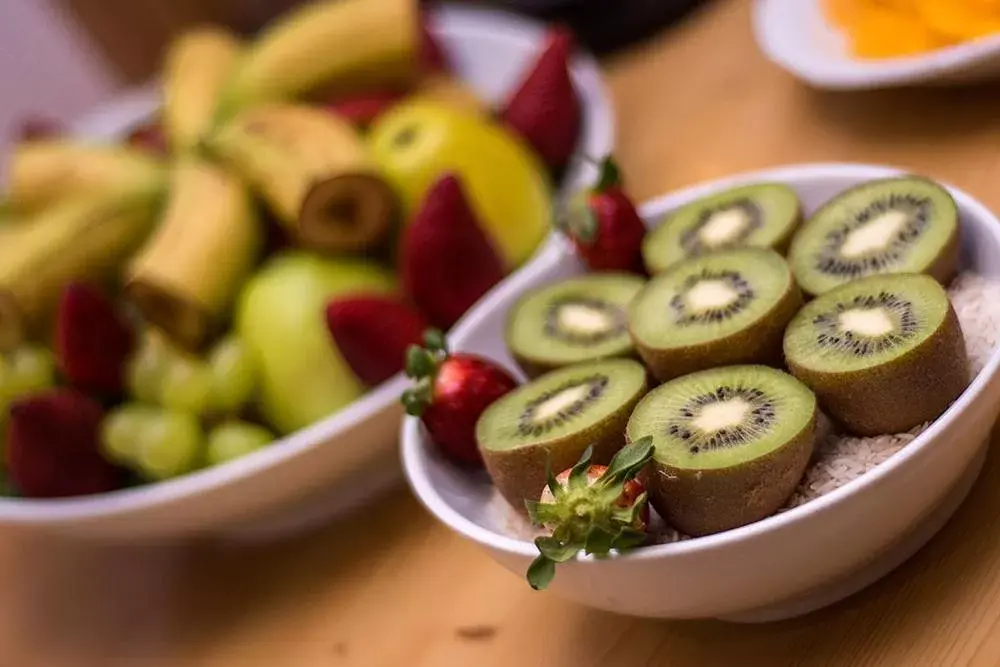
417, 142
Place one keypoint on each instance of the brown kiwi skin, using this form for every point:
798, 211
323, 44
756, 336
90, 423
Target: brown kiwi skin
898, 396
943, 269
760, 343
705, 502
519, 473
533, 368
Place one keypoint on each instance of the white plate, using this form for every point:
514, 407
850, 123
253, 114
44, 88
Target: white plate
795, 35
784, 565
339, 462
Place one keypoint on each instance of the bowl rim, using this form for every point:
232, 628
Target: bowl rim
860, 74
449, 21
415, 457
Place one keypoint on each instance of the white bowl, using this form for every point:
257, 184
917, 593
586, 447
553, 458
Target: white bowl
341, 461
795, 35
787, 564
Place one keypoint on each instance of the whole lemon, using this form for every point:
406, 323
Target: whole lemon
417, 142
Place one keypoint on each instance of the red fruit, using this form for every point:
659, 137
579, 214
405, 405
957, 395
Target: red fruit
93, 340
363, 108
373, 333
446, 261
450, 393
37, 127
605, 226
52, 446
590, 508
430, 55
149, 137
544, 108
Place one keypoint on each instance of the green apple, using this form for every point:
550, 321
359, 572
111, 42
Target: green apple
280, 317
415, 143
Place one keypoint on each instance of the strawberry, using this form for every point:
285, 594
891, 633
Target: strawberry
591, 509
544, 108
446, 261
450, 393
373, 333
149, 137
93, 340
604, 225
52, 446
430, 55
363, 108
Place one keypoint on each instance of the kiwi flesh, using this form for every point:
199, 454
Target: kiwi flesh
895, 225
883, 354
554, 419
728, 307
731, 444
572, 321
760, 215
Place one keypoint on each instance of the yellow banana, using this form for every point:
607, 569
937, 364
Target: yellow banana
336, 44
42, 172
186, 276
315, 173
197, 67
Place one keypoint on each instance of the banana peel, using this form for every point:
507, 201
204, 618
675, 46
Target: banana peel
42, 172
187, 275
315, 173
88, 238
197, 67
338, 45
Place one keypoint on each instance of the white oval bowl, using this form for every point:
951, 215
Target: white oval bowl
795, 35
787, 564
341, 461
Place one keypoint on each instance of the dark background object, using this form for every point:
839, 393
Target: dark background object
604, 26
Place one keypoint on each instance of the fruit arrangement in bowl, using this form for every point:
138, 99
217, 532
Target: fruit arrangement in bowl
775, 395
242, 273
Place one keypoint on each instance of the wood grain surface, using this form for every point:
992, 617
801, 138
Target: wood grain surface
391, 588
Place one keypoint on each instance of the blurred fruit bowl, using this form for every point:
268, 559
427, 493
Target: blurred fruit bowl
344, 459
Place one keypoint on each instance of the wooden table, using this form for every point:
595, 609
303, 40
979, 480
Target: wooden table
392, 588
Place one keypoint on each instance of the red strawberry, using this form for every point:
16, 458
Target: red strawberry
591, 508
363, 108
544, 109
605, 226
93, 340
37, 127
373, 333
149, 137
430, 55
450, 393
446, 261
52, 446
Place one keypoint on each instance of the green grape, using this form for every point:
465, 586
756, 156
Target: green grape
233, 439
123, 428
29, 368
146, 369
233, 374
171, 444
186, 386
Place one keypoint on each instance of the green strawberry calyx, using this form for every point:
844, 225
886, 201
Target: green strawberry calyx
587, 515
422, 364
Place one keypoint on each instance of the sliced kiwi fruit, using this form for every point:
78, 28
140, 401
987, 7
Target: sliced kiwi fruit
894, 225
883, 354
572, 321
731, 444
728, 307
555, 418
760, 215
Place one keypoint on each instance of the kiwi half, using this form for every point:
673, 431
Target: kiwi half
894, 225
729, 307
569, 322
555, 418
883, 354
731, 444
762, 215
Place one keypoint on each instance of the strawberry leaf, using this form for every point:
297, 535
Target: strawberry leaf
611, 175
599, 541
541, 514
550, 480
419, 362
556, 550
578, 475
435, 340
629, 461
629, 539
541, 572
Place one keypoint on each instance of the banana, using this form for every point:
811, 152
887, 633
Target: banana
446, 89
197, 66
314, 172
340, 44
187, 274
42, 172
86, 238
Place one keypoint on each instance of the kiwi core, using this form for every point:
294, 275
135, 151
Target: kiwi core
867, 321
723, 226
709, 294
718, 416
585, 320
874, 234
